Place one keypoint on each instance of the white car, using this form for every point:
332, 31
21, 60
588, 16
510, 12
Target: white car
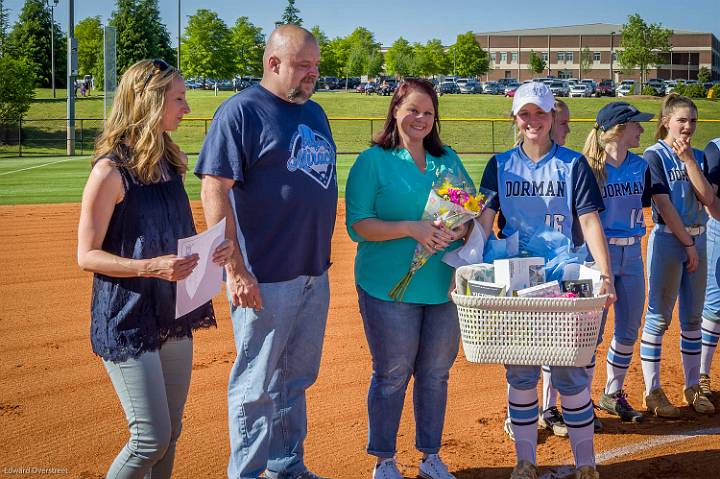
560, 88
626, 88
579, 90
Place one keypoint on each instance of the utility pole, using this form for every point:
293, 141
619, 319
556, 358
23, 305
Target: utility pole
52, 43
612, 54
71, 74
178, 48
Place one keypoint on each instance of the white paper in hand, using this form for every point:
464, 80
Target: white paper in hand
206, 279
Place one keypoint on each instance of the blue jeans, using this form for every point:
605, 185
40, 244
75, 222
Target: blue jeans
629, 272
668, 277
408, 339
152, 390
278, 358
711, 309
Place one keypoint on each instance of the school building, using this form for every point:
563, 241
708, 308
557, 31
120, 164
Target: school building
561, 49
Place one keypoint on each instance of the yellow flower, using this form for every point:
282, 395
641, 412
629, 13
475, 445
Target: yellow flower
443, 190
472, 204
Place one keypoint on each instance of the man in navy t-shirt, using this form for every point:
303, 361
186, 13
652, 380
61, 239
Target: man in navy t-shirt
268, 165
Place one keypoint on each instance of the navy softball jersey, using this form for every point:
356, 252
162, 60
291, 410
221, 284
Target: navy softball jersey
624, 194
712, 158
533, 196
669, 177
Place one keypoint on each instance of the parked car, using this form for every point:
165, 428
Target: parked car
605, 88
225, 85
579, 90
560, 88
591, 85
511, 87
492, 88
448, 86
627, 87
192, 84
657, 85
504, 82
327, 83
470, 86
461, 81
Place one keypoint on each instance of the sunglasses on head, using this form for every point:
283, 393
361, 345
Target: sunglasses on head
159, 66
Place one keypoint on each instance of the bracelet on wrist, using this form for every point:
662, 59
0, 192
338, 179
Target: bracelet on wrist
691, 244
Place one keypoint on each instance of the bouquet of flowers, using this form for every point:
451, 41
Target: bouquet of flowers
452, 202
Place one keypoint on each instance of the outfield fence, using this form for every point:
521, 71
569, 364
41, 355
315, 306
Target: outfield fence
47, 136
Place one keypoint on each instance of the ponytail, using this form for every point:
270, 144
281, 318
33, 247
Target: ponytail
672, 102
594, 149
595, 154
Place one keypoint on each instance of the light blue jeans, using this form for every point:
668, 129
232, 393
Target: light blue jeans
152, 390
278, 359
629, 274
668, 277
405, 340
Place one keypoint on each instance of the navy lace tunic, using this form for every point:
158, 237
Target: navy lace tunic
131, 316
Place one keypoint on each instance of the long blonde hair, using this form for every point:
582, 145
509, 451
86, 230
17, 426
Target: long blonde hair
594, 149
132, 130
671, 103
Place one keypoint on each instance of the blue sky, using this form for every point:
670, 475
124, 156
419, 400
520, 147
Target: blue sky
421, 20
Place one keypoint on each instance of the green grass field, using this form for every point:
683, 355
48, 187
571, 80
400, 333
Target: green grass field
61, 179
44, 128
43, 175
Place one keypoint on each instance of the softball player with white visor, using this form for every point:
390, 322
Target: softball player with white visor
564, 194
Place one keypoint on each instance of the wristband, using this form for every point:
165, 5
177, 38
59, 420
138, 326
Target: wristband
691, 244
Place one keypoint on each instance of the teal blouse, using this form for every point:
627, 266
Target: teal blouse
387, 185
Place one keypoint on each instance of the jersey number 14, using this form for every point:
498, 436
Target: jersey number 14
637, 218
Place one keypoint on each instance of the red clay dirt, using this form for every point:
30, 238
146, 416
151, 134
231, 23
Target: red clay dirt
58, 409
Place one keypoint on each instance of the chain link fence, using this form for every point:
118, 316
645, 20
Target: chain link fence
47, 137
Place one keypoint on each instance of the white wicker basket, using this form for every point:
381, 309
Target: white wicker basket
529, 331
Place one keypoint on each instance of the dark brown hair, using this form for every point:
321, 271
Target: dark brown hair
388, 138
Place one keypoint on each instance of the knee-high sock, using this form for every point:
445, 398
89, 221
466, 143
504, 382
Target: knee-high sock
523, 411
710, 337
618, 361
590, 368
691, 348
650, 352
579, 415
550, 394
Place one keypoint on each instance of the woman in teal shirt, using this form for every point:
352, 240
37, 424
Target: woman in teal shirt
386, 192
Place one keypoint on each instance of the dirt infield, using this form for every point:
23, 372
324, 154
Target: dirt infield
59, 411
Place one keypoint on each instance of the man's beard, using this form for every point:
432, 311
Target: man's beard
297, 95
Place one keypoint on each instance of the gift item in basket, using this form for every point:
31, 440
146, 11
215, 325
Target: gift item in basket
482, 288
545, 290
476, 272
515, 272
537, 274
529, 331
583, 288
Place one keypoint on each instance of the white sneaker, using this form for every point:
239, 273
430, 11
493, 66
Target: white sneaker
387, 469
432, 467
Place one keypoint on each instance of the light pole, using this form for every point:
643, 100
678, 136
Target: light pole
612, 54
178, 50
688, 66
52, 42
454, 73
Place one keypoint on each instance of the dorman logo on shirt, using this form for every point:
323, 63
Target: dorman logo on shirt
313, 154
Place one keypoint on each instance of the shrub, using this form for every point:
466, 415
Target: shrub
649, 91
695, 90
716, 91
17, 90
